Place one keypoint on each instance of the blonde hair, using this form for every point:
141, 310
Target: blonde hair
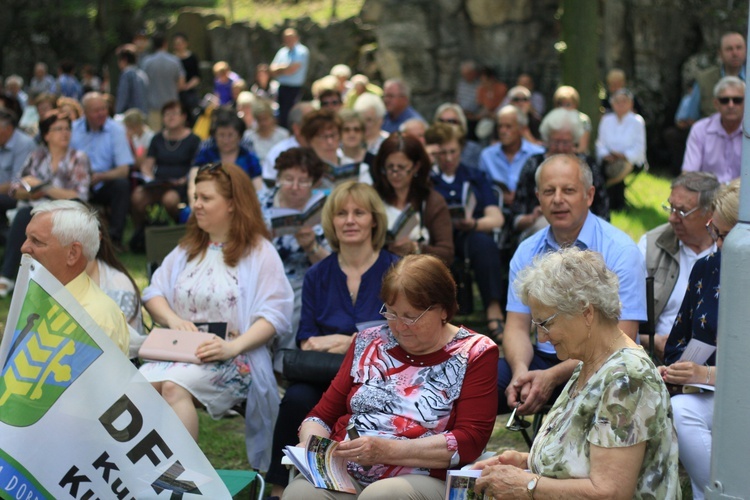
366, 197
727, 202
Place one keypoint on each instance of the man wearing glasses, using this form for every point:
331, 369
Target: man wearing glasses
671, 249
531, 375
715, 143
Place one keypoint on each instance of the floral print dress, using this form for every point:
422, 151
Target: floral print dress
207, 290
624, 403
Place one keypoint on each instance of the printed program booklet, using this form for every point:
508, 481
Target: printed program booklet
698, 352
316, 462
459, 485
466, 207
403, 225
289, 220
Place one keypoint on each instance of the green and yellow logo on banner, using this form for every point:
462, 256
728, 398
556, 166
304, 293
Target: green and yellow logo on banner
41, 364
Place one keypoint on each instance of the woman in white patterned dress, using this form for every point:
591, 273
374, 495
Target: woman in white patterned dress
224, 270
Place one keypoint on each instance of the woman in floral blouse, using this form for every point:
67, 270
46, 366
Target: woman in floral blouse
54, 171
610, 433
698, 318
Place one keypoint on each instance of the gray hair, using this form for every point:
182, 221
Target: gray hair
621, 92
561, 119
14, 79
403, 87
703, 183
404, 127
369, 101
586, 176
521, 118
519, 90
456, 109
569, 281
298, 112
262, 106
728, 81
73, 221
91, 96
341, 70
349, 115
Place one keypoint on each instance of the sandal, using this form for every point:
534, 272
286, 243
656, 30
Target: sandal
496, 333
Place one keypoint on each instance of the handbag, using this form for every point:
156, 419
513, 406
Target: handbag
163, 344
313, 367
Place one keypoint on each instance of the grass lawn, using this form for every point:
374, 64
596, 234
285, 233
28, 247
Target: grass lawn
223, 441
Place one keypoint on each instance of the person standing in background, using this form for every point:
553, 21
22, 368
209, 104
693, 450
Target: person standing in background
289, 67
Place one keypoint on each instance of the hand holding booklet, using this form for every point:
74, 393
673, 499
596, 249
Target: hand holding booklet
698, 352
289, 220
319, 466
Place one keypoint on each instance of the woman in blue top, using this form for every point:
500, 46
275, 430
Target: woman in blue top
472, 236
224, 147
339, 292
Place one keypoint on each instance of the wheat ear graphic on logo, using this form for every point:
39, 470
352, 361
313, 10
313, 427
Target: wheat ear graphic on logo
49, 352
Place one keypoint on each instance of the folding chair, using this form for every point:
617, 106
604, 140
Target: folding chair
160, 240
238, 480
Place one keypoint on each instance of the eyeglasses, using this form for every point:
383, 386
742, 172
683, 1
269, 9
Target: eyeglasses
291, 182
452, 121
667, 207
398, 169
714, 232
735, 100
406, 321
543, 324
351, 129
519, 99
516, 422
335, 102
328, 137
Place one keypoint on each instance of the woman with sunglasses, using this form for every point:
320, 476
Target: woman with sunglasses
452, 114
419, 392
223, 270
338, 293
353, 138
401, 176
609, 434
297, 171
698, 318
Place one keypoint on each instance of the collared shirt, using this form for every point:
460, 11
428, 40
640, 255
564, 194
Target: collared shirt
69, 86
686, 258
106, 148
391, 124
620, 254
13, 155
131, 90
102, 309
494, 161
297, 54
626, 136
466, 95
711, 149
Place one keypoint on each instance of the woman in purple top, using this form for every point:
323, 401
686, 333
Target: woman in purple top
338, 293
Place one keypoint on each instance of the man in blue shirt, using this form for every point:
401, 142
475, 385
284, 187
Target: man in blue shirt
15, 147
532, 374
503, 161
397, 96
106, 144
289, 67
131, 88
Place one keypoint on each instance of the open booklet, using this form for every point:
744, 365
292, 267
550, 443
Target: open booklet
316, 462
403, 225
466, 207
289, 220
459, 485
337, 174
698, 352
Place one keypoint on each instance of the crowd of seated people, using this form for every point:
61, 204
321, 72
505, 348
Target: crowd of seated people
538, 183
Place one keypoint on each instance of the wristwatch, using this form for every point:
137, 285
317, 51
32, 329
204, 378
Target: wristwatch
531, 487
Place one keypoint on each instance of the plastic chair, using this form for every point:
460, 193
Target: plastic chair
238, 480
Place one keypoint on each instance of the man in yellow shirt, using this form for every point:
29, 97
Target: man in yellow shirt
63, 236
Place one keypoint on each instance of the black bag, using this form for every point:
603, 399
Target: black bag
312, 367
465, 288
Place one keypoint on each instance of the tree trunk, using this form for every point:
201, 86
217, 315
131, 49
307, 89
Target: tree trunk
580, 23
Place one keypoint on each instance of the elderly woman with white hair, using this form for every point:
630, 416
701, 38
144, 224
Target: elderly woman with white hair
560, 130
452, 114
372, 110
520, 97
610, 433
